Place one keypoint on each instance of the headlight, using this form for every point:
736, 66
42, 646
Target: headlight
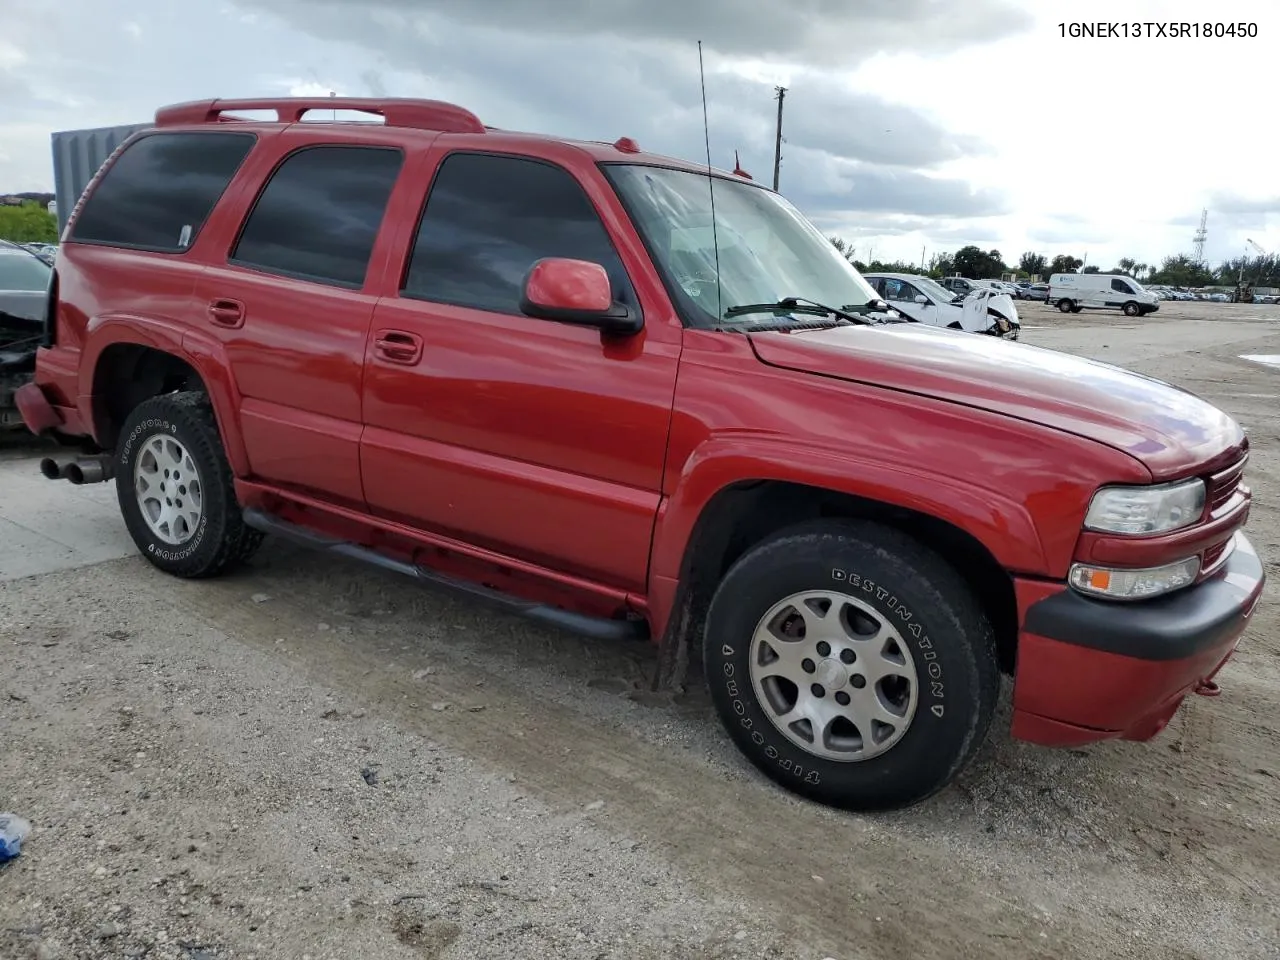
1113, 584
1145, 510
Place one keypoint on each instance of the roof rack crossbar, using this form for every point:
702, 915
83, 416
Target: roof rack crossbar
395, 112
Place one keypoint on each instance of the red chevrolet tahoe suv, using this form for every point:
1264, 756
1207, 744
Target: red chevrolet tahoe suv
632, 396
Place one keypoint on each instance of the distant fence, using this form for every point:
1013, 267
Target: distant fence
77, 155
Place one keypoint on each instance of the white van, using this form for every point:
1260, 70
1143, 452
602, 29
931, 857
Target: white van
1073, 292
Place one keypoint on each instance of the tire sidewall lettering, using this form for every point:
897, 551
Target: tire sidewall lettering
931, 685
142, 433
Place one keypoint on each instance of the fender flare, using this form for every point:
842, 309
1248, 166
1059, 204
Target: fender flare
1003, 526
203, 354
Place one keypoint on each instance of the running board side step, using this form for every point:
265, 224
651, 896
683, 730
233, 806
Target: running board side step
598, 628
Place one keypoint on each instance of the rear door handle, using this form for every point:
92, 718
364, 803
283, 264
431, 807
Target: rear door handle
397, 346
226, 313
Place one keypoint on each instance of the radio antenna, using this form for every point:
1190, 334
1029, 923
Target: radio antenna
711, 182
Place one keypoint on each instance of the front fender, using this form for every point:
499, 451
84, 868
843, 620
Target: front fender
202, 353
1000, 523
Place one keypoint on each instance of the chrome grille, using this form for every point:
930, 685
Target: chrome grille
1222, 486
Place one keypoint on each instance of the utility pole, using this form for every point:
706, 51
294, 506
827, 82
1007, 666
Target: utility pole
922, 253
780, 94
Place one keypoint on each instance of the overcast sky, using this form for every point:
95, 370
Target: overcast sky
911, 125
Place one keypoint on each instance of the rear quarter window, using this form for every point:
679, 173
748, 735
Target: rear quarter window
160, 191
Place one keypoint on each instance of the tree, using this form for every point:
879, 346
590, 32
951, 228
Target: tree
1127, 265
1032, 264
1091, 269
1260, 271
845, 248
941, 265
973, 263
1064, 263
28, 223
1182, 271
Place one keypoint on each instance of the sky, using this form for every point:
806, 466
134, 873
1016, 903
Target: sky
911, 127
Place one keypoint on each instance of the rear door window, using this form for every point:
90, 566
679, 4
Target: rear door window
320, 213
160, 191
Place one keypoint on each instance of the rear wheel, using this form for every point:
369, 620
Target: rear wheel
175, 488
1066, 306
851, 664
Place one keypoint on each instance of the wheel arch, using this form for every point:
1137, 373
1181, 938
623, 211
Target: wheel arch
129, 360
742, 513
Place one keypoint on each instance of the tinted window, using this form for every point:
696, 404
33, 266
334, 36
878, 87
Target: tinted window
488, 219
320, 213
159, 192
1121, 286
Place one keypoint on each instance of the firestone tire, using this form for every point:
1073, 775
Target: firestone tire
175, 489
887, 579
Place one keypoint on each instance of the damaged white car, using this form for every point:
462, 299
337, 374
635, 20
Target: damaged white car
923, 300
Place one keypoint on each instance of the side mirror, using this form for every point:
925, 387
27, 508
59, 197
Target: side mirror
921, 299
576, 291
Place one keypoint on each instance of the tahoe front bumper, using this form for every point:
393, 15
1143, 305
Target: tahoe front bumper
1095, 670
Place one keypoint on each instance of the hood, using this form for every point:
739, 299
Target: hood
1166, 428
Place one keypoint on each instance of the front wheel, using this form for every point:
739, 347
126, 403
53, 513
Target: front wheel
1131, 309
175, 488
851, 664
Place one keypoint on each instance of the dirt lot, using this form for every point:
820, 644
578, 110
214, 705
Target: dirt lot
315, 760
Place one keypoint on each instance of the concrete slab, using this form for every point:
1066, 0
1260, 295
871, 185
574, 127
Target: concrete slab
1270, 359
47, 526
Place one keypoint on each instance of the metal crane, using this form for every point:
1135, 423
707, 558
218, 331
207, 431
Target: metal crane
1244, 291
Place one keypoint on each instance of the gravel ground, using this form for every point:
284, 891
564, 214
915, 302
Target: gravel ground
315, 760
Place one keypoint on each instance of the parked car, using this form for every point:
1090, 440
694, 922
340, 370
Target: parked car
24, 300
24, 287
962, 285
1072, 292
1036, 291
923, 300
45, 251
551, 374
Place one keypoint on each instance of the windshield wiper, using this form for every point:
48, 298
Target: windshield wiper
797, 305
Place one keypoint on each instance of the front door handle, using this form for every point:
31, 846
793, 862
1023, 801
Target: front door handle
226, 313
397, 346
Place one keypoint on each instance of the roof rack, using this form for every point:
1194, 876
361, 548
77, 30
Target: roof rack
395, 112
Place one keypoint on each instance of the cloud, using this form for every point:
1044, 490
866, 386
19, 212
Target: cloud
838, 187
1233, 205
1071, 233
844, 31
845, 151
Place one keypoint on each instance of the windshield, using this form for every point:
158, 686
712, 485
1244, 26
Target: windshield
23, 271
767, 249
